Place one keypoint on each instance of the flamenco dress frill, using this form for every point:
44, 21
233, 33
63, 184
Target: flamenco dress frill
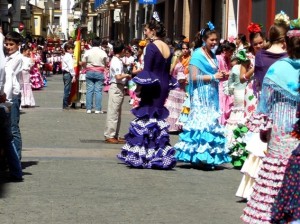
278, 102
287, 204
235, 125
175, 101
148, 143
203, 138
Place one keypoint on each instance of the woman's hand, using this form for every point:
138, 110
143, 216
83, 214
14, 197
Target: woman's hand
219, 75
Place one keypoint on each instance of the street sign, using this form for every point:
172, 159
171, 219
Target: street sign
147, 1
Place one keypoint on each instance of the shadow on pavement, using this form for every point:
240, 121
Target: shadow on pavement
203, 167
3, 182
26, 164
5, 178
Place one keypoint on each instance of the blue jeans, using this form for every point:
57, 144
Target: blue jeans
15, 119
94, 86
7, 143
67, 88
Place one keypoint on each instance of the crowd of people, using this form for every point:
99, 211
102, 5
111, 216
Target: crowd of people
230, 102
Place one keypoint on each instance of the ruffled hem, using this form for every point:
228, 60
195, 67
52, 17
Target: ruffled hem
147, 112
174, 126
252, 166
140, 157
145, 78
149, 78
259, 122
148, 145
266, 188
245, 188
205, 157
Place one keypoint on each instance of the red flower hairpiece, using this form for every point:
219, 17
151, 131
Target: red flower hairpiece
254, 28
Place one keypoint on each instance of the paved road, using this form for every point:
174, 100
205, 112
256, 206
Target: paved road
72, 176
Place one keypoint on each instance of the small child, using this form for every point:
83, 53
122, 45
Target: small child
27, 99
68, 73
115, 96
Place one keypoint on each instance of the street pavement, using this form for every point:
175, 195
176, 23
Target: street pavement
72, 176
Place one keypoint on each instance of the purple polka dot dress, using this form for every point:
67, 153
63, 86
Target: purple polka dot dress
148, 143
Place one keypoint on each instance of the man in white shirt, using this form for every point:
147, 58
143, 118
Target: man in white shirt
95, 60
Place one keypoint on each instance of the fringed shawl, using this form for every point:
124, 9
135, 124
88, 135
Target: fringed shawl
207, 91
280, 96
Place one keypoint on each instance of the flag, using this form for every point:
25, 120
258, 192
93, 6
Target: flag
77, 56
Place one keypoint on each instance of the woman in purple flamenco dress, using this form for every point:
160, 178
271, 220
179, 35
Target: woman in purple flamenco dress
147, 143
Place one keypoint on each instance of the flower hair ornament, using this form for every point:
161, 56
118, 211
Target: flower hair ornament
142, 43
254, 28
282, 18
241, 55
294, 28
210, 26
155, 16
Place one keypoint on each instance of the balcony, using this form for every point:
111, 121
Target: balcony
23, 5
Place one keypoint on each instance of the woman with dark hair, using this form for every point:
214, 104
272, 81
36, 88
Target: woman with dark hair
148, 143
278, 104
263, 60
241, 42
224, 53
203, 140
177, 96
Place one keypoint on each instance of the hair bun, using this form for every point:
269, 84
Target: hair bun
282, 19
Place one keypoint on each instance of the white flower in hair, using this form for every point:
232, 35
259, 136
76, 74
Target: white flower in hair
155, 16
282, 18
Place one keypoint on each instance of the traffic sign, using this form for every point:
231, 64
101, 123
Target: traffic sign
147, 1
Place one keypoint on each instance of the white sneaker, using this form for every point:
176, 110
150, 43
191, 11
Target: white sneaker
88, 111
100, 112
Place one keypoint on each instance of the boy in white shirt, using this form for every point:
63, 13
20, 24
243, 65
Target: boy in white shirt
68, 73
12, 88
115, 96
6, 138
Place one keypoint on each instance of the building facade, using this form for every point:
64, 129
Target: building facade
124, 19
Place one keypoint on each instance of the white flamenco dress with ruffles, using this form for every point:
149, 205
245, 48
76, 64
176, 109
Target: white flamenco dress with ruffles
203, 138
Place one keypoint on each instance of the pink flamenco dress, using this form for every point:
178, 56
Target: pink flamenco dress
36, 78
27, 98
225, 99
278, 104
176, 99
